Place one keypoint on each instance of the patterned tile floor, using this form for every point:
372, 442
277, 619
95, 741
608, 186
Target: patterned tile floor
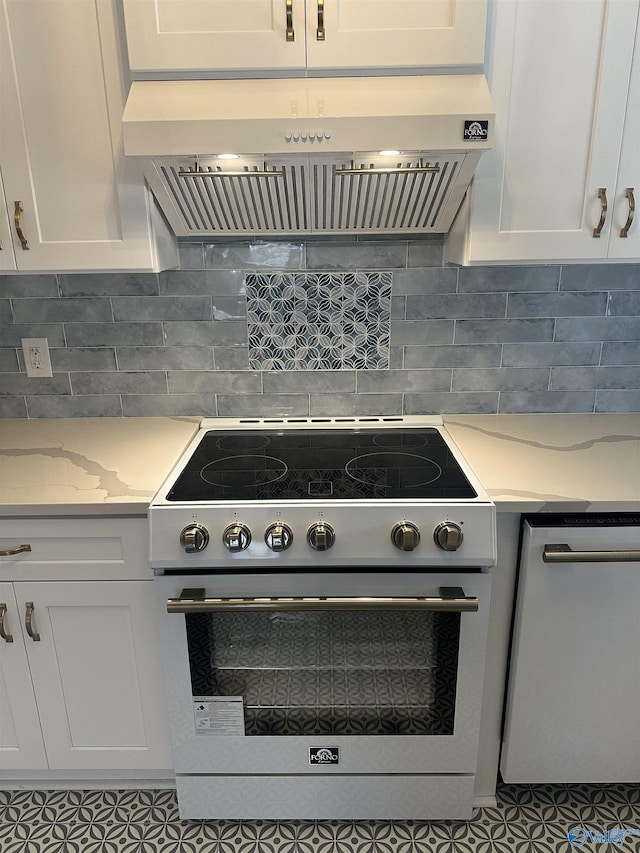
527, 819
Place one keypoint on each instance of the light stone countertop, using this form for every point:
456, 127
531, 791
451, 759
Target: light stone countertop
87, 466
554, 463
527, 463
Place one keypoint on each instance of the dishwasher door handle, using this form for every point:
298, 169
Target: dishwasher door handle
562, 553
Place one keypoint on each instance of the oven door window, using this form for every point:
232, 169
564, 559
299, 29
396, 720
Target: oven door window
374, 672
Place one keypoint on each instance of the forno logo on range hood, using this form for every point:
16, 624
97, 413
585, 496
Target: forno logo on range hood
476, 130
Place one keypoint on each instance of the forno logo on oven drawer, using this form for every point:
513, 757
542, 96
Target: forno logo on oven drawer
324, 755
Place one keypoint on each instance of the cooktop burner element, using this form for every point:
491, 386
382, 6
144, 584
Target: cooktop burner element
332, 464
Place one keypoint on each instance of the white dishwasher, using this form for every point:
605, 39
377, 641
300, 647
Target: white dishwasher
573, 701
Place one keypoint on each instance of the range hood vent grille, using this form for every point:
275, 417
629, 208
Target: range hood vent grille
258, 199
305, 196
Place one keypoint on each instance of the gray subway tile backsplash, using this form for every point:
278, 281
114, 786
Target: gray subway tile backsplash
106, 284
517, 339
509, 279
83, 309
29, 285
600, 277
557, 305
620, 352
598, 329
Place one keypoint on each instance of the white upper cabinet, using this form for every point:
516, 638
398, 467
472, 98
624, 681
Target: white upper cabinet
80, 203
562, 177
395, 33
218, 36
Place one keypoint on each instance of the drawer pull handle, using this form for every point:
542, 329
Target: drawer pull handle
565, 554
12, 551
320, 30
632, 209
4, 633
28, 622
602, 195
290, 32
17, 221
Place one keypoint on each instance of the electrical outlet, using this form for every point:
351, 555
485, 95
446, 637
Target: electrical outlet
36, 357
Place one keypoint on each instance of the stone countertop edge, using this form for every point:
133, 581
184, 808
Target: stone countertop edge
114, 466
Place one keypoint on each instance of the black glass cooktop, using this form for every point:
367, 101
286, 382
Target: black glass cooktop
321, 465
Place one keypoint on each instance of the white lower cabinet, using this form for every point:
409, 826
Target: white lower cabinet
80, 678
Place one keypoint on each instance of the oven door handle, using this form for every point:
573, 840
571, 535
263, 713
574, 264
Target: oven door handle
450, 600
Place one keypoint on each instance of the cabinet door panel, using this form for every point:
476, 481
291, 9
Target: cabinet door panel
629, 173
400, 33
559, 127
21, 744
96, 675
7, 259
213, 35
84, 205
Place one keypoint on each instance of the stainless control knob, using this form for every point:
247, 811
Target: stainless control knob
405, 536
321, 536
236, 537
278, 536
448, 536
194, 538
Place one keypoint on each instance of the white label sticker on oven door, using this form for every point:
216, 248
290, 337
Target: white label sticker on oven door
219, 715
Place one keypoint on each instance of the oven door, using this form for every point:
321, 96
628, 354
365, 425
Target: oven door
390, 683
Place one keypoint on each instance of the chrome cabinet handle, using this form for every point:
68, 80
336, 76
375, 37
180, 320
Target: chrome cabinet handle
320, 29
632, 209
562, 553
11, 551
290, 32
17, 221
28, 622
4, 633
602, 195
458, 603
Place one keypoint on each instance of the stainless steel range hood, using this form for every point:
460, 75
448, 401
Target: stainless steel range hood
360, 155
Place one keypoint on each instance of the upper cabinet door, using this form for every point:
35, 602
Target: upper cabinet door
218, 36
625, 219
395, 33
215, 35
559, 73
7, 258
81, 204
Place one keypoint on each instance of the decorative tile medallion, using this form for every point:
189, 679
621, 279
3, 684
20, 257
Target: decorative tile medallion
319, 321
